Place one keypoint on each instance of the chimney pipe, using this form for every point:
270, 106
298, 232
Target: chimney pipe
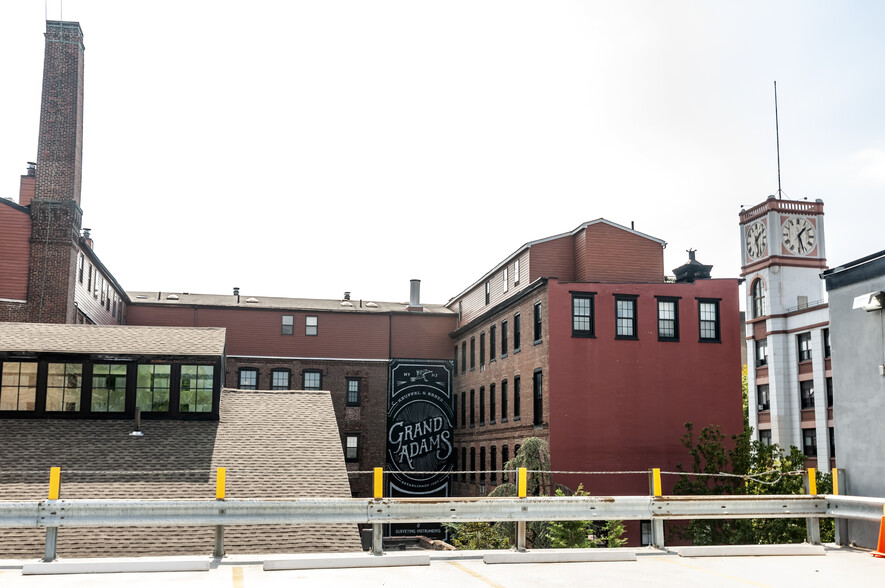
28, 185
415, 295
347, 295
87, 236
236, 291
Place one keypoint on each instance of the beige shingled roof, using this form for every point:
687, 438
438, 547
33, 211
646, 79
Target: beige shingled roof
273, 444
47, 338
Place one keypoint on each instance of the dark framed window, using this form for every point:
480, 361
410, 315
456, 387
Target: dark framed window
108, 387
758, 292
482, 350
311, 325
80, 268
803, 342
195, 390
829, 392
517, 333
492, 403
625, 317
463, 356
463, 410
472, 407
482, 405
582, 315
762, 352
809, 442
493, 457
806, 393
248, 379
765, 436
353, 391
708, 320
287, 326
515, 271
351, 447
455, 413
279, 379
464, 464
488, 292
832, 436
493, 336
763, 400
312, 380
456, 464
516, 399
64, 383
456, 359
505, 457
89, 281
668, 319
538, 398
472, 353
503, 401
473, 465
506, 280
482, 465
827, 350
153, 383
503, 338
537, 322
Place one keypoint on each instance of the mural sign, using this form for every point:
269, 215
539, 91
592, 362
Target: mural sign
419, 435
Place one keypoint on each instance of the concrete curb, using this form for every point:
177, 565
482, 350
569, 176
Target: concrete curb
116, 566
560, 556
345, 560
748, 550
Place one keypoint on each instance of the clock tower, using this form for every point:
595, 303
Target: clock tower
782, 255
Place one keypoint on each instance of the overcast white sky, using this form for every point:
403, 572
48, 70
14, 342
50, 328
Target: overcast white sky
308, 148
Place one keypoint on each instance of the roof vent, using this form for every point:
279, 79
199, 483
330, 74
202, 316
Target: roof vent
172, 297
141, 297
347, 295
252, 300
371, 305
346, 303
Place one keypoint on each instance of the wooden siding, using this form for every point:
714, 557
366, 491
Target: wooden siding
15, 235
90, 303
473, 302
554, 258
421, 337
580, 244
616, 255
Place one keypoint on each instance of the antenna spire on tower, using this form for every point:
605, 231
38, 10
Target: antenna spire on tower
778, 139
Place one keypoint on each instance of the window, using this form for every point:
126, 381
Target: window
108, 388
493, 335
537, 322
668, 319
351, 447
197, 383
762, 352
492, 406
832, 435
504, 401
809, 442
473, 465
763, 400
829, 392
503, 338
89, 280
482, 465
505, 457
758, 298
472, 353
493, 455
482, 351
517, 333
152, 388
63, 385
472, 408
455, 469
488, 292
708, 317
765, 436
464, 464
504, 275
353, 391
515, 271
516, 399
538, 397
625, 317
288, 325
279, 379
311, 325
455, 414
456, 359
463, 356
827, 349
482, 405
248, 379
19, 388
463, 410
80, 268
803, 340
313, 380
582, 315
806, 392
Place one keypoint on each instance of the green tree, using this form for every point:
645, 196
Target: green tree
584, 534
477, 535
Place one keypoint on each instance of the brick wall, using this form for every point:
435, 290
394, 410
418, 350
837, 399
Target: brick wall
55, 226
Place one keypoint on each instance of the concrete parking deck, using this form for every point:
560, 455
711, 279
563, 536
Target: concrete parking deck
839, 567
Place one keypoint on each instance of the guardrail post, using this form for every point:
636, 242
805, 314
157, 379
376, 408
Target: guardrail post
657, 525
377, 537
521, 484
840, 526
812, 524
220, 479
50, 549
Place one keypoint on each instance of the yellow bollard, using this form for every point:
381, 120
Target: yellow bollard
379, 483
812, 481
54, 483
656, 481
836, 481
522, 482
221, 474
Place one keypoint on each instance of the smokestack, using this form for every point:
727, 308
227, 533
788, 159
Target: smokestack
87, 236
28, 185
415, 295
347, 295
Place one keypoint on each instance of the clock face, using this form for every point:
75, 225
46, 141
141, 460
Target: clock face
799, 235
756, 240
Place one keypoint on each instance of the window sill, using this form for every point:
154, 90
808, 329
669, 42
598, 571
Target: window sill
668, 340
482, 424
503, 355
709, 341
503, 421
517, 350
491, 422
492, 360
516, 418
580, 335
626, 338
538, 427
537, 341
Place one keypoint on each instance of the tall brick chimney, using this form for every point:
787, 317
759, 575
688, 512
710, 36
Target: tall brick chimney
28, 185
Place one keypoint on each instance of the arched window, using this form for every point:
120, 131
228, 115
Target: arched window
758, 298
